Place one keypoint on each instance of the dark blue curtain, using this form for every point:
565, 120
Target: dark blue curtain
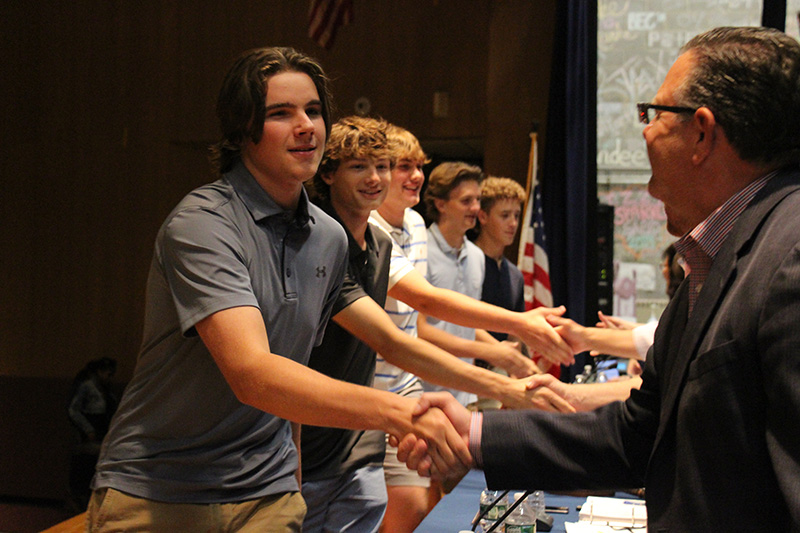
569, 170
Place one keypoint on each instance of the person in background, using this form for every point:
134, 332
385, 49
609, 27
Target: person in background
498, 220
452, 201
410, 496
712, 433
92, 404
502, 200
244, 276
343, 479
672, 264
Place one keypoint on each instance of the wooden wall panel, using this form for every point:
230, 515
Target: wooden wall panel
108, 108
111, 108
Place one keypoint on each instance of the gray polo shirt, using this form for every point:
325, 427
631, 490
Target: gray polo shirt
459, 270
180, 434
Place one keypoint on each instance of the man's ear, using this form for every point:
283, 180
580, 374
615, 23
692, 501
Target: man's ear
706, 138
439, 203
483, 217
327, 177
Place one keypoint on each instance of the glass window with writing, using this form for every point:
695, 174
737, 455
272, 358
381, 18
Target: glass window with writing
637, 42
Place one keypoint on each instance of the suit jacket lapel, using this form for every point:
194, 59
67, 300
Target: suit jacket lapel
721, 275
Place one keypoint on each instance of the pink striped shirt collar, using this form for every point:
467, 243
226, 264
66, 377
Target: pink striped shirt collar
712, 232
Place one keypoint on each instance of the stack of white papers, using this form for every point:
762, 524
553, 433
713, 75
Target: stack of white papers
599, 514
586, 527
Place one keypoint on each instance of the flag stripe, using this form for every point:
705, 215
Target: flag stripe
533, 261
542, 277
325, 18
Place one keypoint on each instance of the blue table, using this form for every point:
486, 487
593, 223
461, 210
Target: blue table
456, 510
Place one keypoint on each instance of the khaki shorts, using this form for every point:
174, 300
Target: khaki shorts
396, 473
112, 510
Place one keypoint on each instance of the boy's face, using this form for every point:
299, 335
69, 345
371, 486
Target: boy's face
407, 180
360, 185
293, 140
460, 210
501, 222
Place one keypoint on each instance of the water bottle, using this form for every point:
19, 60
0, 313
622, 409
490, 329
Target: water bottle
536, 502
487, 497
522, 519
582, 378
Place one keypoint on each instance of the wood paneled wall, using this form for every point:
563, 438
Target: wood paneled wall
108, 107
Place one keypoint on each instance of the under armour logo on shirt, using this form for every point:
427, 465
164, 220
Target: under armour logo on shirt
321, 271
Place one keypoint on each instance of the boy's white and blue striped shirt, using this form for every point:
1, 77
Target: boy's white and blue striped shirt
409, 252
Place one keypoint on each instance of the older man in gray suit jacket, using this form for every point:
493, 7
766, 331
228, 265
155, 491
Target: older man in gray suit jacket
714, 432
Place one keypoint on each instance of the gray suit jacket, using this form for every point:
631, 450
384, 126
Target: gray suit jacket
714, 432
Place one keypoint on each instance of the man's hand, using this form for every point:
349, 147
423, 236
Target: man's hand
570, 331
537, 392
507, 355
612, 322
612, 341
564, 390
446, 448
586, 397
542, 337
420, 454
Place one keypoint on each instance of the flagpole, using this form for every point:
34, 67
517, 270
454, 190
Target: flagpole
529, 185
532, 159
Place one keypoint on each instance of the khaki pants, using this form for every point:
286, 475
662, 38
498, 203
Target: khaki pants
112, 510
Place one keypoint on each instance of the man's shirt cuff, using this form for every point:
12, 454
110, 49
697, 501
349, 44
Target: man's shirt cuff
475, 428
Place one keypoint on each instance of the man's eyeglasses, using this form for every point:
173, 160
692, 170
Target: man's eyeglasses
646, 111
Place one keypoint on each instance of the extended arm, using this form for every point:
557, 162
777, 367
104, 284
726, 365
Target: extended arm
531, 327
589, 396
369, 322
501, 354
619, 342
237, 339
558, 451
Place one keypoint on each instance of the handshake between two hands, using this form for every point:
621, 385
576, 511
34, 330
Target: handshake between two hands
438, 447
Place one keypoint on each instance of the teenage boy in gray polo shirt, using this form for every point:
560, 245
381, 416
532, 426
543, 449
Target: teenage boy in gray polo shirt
452, 201
243, 279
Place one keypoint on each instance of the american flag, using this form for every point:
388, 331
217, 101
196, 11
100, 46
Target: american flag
532, 259
325, 17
